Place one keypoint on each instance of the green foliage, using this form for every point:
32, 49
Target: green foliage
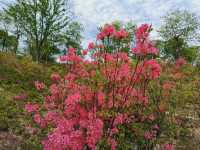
43, 24
190, 53
9, 23
8, 42
179, 28
72, 36
179, 24
175, 48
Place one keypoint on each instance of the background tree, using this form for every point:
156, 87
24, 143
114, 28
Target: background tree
72, 37
12, 15
8, 42
42, 22
3, 39
178, 30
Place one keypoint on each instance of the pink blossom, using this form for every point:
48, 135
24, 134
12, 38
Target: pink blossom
101, 98
95, 132
152, 69
72, 99
113, 143
91, 46
20, 97
54, 89
84, 52
70, 77
107, 30
71, 50
121, 34
180, 62
114, 131
119, 119
145, 48
31, 107
39, 85
148, 135
52, 117
100, 36
142, 32
108, 57
168, 146
143, 44
55, 77
39, 120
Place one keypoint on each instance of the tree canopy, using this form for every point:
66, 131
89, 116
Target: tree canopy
43, 22
177, 32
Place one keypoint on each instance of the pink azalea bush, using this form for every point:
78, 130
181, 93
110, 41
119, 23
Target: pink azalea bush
98, 103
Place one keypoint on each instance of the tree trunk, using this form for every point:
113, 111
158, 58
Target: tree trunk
17, 43
3, 45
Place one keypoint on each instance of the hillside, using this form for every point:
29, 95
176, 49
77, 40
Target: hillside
17, 76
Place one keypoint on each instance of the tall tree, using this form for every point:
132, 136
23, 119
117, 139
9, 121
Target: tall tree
42, 22
178, 30
12, 15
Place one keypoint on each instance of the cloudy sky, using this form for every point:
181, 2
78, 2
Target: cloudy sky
92, 13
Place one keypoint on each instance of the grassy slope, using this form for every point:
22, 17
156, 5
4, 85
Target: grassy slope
17, 75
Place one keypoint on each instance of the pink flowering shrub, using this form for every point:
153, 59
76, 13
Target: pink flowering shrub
99, 104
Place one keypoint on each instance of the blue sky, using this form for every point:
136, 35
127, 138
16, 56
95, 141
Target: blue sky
93, 13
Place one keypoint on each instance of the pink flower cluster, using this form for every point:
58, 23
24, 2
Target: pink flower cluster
180, 62
110, 31
22, 96
143, 44
168, 146
31, 107
152, 69
39, 85
95, 97
55, 77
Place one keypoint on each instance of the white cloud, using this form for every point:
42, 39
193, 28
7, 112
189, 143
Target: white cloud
93, 13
